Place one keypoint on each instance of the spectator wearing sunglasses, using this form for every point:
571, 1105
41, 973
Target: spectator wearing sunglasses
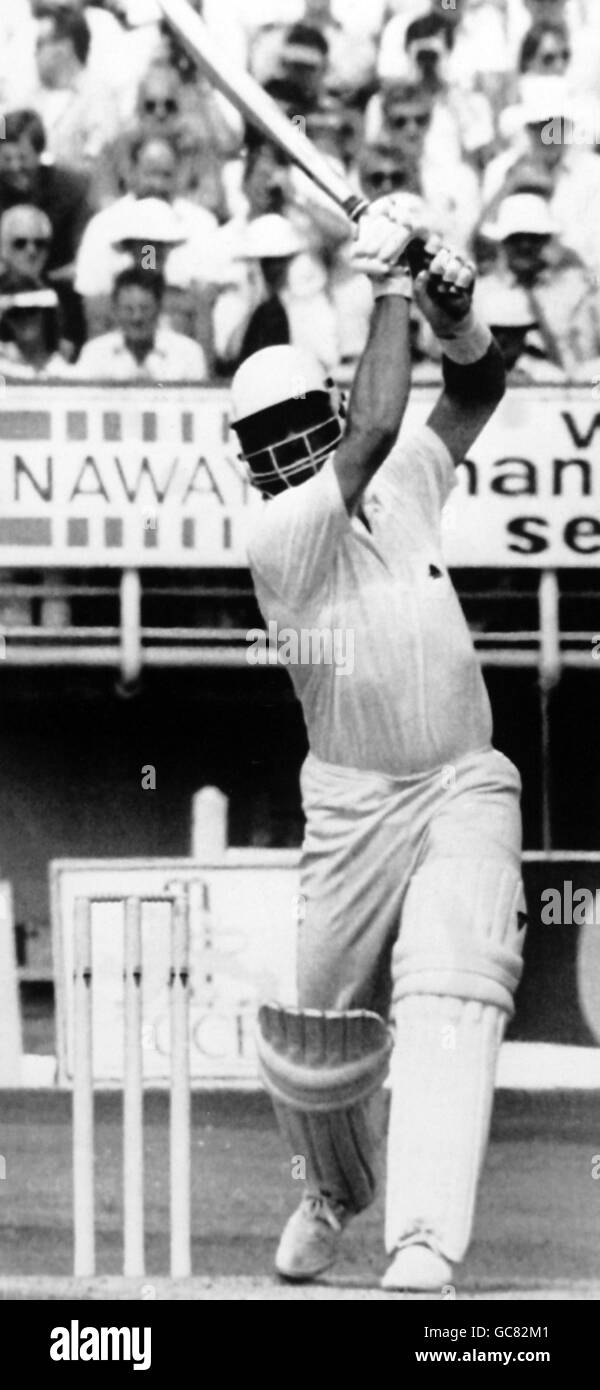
545, 52
205, 140
25, 241
450, 189
59, 192
158, 111
462, 122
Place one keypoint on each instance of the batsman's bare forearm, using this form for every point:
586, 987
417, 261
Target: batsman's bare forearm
378, 399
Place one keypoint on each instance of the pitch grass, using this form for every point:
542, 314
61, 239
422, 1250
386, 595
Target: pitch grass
537, 1233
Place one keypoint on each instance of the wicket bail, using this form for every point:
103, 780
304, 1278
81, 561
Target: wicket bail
133, 1086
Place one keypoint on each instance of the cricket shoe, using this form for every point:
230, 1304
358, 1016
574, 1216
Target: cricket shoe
417, 1269
311, 1238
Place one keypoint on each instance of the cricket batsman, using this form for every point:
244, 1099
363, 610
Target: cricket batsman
411, 941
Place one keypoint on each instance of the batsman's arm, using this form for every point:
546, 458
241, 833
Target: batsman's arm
378, 399
472, 364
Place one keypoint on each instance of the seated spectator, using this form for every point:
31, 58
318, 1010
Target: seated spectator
508, 314
158, 112
264, 307
543, 160
107, 62
554, 281
59, 192
450, 190
29, 331
352, 32
78, 113
269, 184
579, 20
480, 58
160, 215
203, 139
545, 52
462, 123
304, 61
545, 49
138, 349
25, 240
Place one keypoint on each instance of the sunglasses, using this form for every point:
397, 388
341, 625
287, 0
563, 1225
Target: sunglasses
170, 107
421, 120
39, 243
549, 59
381, 179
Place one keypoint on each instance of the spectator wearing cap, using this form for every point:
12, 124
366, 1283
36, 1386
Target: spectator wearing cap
29, 331
25, 240
139, 349
78, 112
269, 185
264, 307
59, 192
151, 215
545, 158
402, 118
508, 313
554, 281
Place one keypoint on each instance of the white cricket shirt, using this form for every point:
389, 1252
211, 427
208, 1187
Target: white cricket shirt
399, 689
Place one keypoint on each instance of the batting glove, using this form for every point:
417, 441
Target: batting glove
444, 290
385, 231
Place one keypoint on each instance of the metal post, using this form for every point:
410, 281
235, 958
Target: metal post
83, 1095
550, 670
133, 1096
131, 628
180, 1116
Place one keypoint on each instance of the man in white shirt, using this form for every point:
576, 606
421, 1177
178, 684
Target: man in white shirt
410, 876
159, 214
138, 349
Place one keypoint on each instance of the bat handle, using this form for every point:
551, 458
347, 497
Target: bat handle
355, 207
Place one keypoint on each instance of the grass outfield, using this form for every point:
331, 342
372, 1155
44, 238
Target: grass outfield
537, 1234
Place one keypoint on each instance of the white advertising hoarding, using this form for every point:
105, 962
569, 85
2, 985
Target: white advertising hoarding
150, 476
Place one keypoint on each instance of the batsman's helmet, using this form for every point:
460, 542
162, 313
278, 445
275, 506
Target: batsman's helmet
287, 417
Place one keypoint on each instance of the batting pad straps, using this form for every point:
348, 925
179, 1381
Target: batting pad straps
322, 1069
463, 932
312, 1060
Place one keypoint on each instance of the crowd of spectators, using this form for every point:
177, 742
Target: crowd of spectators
147, 234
